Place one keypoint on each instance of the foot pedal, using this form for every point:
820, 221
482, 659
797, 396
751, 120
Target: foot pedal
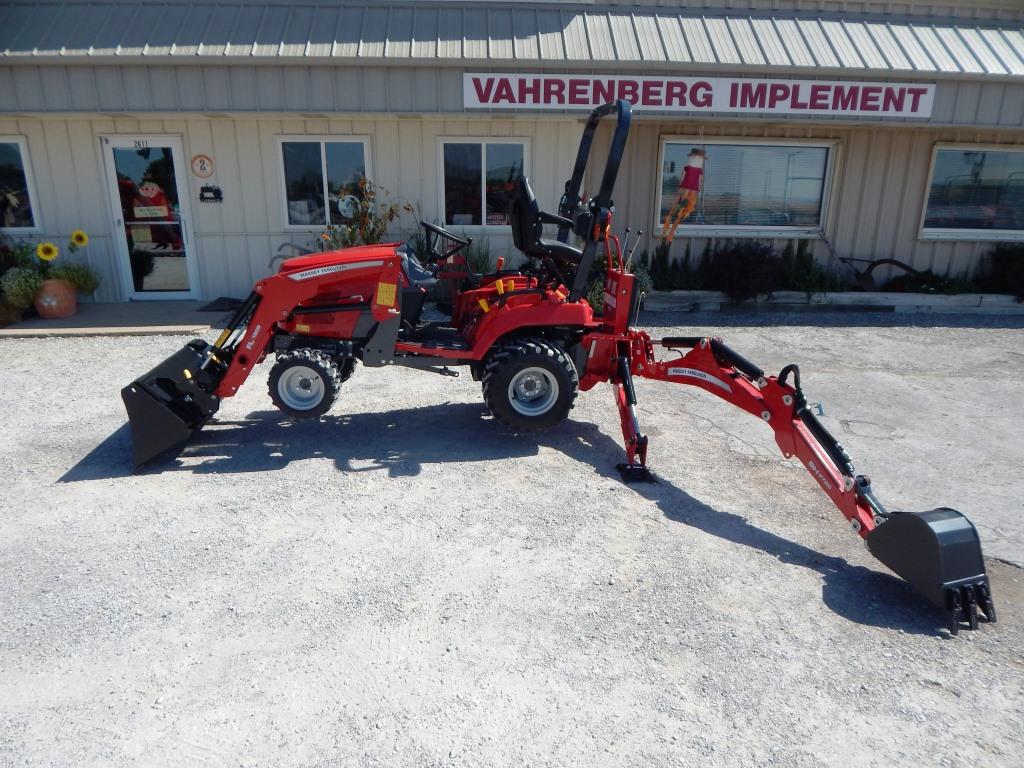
635, 473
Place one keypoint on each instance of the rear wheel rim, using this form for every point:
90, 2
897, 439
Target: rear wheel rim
533, 391
301, 387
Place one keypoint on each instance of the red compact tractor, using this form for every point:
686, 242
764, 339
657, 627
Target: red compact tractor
533, 341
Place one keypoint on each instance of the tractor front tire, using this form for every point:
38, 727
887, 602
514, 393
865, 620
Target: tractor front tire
529, 384
304, 383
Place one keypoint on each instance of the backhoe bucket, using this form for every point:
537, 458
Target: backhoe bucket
939, 554
168, 404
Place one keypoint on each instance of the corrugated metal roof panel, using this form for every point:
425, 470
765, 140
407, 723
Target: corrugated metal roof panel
888, 46
648, 38
952, 42
549, 33
449, 34
771, 43
574, 32
936, 50
796, 47
746, 41
817, 43
599, 34
499, 31
298, 31
59, 29
981, 51
842, 45
524, 29
373, 39
697, 40
623, 36
399, 44
865, 44
674, 38
1002, 49
222, 26
323, 31
349, 33
917, 55
721, 41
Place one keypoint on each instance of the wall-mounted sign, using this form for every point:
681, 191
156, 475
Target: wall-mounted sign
202, 166
695, 95
211, 194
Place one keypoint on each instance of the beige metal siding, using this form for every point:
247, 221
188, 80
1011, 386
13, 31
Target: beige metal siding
237, 239
878, 190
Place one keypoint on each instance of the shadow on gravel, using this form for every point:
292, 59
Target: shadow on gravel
401, 442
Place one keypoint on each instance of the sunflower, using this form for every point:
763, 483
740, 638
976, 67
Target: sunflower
79, 238
47, 251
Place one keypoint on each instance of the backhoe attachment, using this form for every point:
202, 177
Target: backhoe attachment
937, 552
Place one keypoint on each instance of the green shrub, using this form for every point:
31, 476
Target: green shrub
743, 269
1002, 270
478, 256
79, 275
20, 286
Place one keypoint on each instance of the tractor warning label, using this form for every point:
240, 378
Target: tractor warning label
386, 294
693, 373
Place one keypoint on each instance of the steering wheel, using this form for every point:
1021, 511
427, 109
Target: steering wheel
436, 235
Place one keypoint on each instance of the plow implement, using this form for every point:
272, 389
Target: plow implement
533, 341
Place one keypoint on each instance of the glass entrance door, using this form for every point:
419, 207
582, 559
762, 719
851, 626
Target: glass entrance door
150, 206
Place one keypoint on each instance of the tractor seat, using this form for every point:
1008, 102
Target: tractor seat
528, 222
416, 273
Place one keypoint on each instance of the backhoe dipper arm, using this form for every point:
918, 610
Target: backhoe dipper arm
938, 552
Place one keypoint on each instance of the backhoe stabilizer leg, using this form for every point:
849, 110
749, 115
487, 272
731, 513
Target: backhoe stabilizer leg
634, 470
937, 552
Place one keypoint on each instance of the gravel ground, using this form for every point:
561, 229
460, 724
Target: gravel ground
404, 583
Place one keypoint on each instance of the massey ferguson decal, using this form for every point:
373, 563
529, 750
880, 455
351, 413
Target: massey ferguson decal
309, 274
693, 373
692, 95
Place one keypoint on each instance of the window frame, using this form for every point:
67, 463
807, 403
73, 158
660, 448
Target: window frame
320, 139
483, 227
33, 198
938, 234
739, 230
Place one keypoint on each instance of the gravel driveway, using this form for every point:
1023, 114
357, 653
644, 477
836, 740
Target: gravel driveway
403, 583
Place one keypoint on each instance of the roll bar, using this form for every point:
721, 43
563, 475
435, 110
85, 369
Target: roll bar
570, 200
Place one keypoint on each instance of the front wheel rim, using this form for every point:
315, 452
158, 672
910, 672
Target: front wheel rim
301, 387
533, 391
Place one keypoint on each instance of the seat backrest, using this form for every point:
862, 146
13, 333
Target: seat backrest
525, 215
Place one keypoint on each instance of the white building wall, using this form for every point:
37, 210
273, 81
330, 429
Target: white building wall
237, 240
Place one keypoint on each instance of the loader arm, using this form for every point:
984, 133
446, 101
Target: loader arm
937, 552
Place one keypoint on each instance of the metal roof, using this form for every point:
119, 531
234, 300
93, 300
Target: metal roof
526, 35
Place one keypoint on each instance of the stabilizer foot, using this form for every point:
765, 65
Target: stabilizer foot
635, 473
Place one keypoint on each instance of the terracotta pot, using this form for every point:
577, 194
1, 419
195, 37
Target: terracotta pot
56, 298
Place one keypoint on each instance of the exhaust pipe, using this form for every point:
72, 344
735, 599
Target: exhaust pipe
939, 554
167, 404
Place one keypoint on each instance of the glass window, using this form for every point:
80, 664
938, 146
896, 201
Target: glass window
16, 204
479, 180
310, 167
976, 191
729, 186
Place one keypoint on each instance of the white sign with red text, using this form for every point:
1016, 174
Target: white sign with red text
694, 95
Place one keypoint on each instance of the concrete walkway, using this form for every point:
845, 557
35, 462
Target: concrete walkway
132, 318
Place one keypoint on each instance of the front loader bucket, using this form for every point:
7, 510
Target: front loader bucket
939, 554
170, 402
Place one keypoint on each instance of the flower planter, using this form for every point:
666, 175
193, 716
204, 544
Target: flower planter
56, 298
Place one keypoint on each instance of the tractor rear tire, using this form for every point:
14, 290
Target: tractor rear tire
304, 383
530, 384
